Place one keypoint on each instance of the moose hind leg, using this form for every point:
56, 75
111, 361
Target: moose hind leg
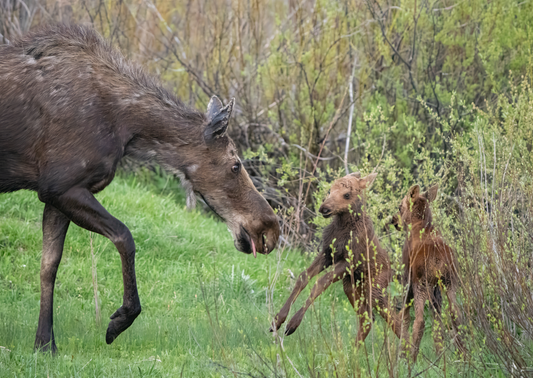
456, 319
83, 209
55, 226
365, 322
420, 297
354, 292
385, 309
435, 307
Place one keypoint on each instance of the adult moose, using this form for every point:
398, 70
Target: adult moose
71, 107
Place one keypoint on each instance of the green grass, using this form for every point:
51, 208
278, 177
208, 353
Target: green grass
206, 307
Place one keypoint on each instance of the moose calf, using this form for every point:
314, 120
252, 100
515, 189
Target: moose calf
430, 265
351, 246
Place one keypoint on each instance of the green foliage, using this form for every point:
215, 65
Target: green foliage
442, 94
204, 309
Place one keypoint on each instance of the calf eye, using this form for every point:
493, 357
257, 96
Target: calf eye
236, 167
347, 196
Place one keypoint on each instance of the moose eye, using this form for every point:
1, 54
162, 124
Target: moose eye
236, 167
347, 196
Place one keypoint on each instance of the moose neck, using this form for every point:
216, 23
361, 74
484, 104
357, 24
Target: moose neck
423, 226
160, 128
356, 220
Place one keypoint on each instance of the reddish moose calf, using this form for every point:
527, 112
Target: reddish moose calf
351, 246
430, 266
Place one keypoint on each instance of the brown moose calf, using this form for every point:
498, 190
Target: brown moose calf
351, 246
429, 266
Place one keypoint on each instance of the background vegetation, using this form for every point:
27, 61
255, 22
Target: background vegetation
419, 91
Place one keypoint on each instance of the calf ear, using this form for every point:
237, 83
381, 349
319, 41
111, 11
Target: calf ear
414, 191
369, 180
355, 174
431, 193
217, 118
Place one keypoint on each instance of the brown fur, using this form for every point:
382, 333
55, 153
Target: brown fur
363, 267
430, 266
71, 107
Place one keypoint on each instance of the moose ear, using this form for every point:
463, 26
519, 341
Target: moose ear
217, 118
213, 108
414, 191
355, 174
431, 193
369, 180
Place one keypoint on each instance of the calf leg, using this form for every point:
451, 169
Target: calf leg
80, 206
55, 226
382, 305
317, 266
322, 284
436, 309
405, 317
355, 295
365, 322
455, 315
420, 297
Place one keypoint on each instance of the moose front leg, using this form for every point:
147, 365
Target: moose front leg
84, 210
317, 266
339, 271
55, 226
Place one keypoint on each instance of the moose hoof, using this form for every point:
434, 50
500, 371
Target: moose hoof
120, 321
48, 347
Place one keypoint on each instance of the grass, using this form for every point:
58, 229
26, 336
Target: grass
206, 306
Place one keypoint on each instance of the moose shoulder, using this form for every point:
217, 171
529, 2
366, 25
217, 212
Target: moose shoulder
71, 107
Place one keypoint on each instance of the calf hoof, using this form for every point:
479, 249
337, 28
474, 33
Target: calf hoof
294, 323
278, 321
120, 321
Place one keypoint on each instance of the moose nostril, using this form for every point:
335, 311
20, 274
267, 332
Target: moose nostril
324, 210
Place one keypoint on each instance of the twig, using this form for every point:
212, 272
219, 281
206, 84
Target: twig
313, 156
350, 118
84, 366
333, 122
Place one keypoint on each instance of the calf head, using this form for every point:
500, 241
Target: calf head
414, 207
214, 171
346, 194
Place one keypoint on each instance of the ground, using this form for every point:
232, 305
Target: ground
206, 306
